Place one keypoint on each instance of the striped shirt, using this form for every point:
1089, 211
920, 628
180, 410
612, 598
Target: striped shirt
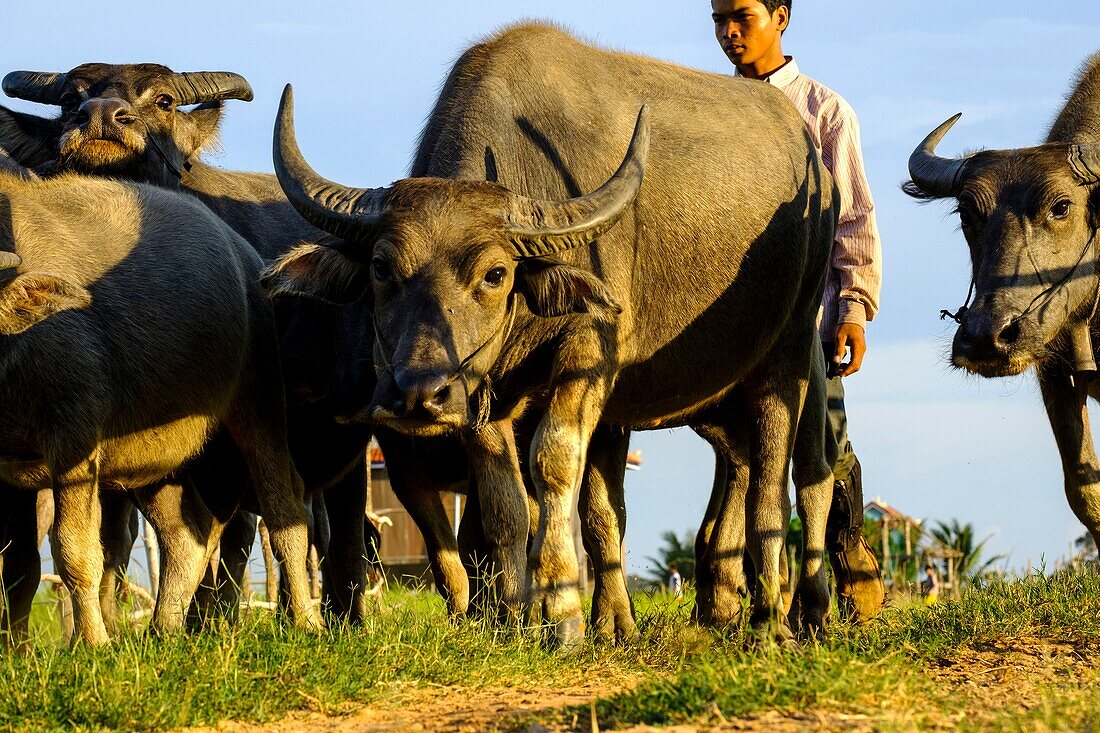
854, 282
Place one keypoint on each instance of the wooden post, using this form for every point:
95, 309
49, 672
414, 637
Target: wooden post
885, 545
314, 572
370, 490
271, 584
152, 556
578, 546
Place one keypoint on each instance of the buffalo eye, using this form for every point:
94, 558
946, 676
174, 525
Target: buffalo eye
70, 100
495, 276
966, 219
381, 270
163, 101
1060, 210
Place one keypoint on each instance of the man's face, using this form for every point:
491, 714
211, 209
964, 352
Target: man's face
746, 30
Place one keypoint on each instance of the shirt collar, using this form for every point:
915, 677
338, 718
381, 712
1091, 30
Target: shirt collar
782, 76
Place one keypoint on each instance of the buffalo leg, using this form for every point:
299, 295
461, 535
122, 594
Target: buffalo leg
774, 403
235, 548
420, 497
118, 532
257, 424
603, 526
813, 480
77, 552
280, 493
704, 576
188, 534
20, 564
1068, 414
474, 551
558, 456
344, 564
719, 569
504, 514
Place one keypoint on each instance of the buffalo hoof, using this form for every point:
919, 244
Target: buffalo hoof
568, 634
809, 611
719, 607
771, 628
613, 619
310, 621
614, 629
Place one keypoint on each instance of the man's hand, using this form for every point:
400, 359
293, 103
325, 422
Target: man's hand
849, 336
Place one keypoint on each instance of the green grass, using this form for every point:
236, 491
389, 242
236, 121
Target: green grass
676, 673
880, 670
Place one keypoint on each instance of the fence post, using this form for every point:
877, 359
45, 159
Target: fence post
152, 556
271, 586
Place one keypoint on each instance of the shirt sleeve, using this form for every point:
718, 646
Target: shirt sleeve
857, 251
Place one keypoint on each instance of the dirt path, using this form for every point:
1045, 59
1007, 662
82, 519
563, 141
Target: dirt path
994, 678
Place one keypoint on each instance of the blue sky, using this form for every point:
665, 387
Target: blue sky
932, 441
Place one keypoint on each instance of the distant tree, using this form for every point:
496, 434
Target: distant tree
960, 537
1086, 547
673, 551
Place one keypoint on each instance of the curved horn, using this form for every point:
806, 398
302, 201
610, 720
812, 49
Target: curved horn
8, 260
932, 174
538, 228
339, 210
37, 86
197, 87
1084, 161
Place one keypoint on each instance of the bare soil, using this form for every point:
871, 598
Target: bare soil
994, 679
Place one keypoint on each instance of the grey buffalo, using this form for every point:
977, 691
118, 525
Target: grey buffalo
1030, 217
135, 121
500, 286
131, 328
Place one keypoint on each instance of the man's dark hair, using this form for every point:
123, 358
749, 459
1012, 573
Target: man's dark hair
773, 5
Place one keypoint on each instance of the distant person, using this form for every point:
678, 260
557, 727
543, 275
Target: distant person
675, 582
929, 586
751, 34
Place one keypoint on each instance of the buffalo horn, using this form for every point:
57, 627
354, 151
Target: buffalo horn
1084, 161
932, 174
8, 260
339, 210
198, 87
538, 228
37, 86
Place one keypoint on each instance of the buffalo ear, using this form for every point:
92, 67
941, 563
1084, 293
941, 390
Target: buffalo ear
553, 289
32, 298
30, 140
317, 271
202, 130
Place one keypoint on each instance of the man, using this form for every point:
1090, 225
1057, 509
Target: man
929, 585
751, 34
675, 582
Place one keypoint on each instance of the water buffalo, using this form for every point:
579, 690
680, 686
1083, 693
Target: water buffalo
695, 303
129, 121
326, 356
1030, 217
131, 327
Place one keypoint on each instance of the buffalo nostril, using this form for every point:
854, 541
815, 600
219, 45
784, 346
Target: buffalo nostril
82, 117
123, 117
1009, 335
435, 402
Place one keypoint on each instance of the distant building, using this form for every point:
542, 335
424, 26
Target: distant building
904, 548
403, 552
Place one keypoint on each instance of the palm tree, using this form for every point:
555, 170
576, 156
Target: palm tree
674, 551
960, 537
